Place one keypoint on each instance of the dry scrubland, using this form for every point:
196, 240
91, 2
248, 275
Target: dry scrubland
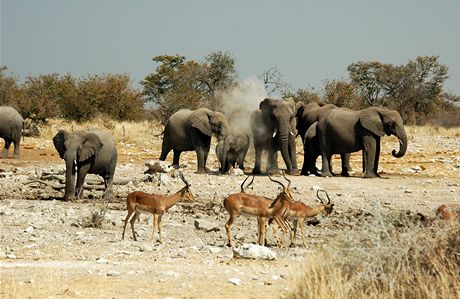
381, 241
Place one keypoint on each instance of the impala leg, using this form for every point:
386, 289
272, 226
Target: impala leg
133, 219
284, 228
155, 228
302, 233
126, 222
275, 231
227, 229
159, 229
293, 233
261, 230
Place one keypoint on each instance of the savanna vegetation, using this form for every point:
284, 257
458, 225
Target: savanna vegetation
415, 89
386, 255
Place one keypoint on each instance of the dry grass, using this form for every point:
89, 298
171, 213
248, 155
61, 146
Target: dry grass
125, 132
391, 256
136, 132
430, 130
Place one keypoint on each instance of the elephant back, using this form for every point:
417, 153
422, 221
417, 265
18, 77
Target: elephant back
11, 122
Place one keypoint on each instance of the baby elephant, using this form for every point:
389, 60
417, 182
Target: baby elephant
232, 150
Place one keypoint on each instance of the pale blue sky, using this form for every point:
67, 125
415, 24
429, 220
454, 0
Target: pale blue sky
309, 41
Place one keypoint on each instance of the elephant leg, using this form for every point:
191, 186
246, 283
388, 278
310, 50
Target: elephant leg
305, 166
200, 154
293, 155
5, 149
108, 181
241, 162
81, 174
370, 146
272, 162
165, 149
345, 158
16, 148
377, 157
176, 159
326, 167
325, 155
258, 157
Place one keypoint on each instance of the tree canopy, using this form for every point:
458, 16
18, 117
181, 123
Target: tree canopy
179, 83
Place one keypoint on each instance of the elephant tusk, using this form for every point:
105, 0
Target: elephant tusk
291, 133
274, 133
400, 141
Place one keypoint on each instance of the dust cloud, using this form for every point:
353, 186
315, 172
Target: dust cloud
239, 102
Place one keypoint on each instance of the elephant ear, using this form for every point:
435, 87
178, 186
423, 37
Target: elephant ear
90, 147
299, 107
268, 105
200, 121
290, 103
371, 120
58, 141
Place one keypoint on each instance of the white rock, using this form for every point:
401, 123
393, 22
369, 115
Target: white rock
146, 248
316, 188
252, 251
235, 281
29, 229
101, 260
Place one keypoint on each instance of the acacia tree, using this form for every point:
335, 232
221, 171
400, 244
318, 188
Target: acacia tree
10, 91
414, 89
178, 83
342, 94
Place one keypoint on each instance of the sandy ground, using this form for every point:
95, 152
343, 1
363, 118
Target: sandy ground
46, 250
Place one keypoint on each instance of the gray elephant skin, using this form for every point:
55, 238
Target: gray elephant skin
191, 130
273, 127
86, 152
307, 115
11, 125
347, 131
310, 151
232, 150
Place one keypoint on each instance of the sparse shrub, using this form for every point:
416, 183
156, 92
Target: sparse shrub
96, 219
392, 255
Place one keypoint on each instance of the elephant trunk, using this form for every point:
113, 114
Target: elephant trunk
223, 163
402, 137
70, 178
283, 136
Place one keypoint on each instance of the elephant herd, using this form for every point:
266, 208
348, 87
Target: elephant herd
325, 130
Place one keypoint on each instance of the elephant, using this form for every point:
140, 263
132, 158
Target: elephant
310, 151
273, 127
188, 130
11, 125
307, 115
86, 152
232, 150
347, 131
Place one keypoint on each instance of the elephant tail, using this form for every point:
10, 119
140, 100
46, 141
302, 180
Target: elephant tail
23, 132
